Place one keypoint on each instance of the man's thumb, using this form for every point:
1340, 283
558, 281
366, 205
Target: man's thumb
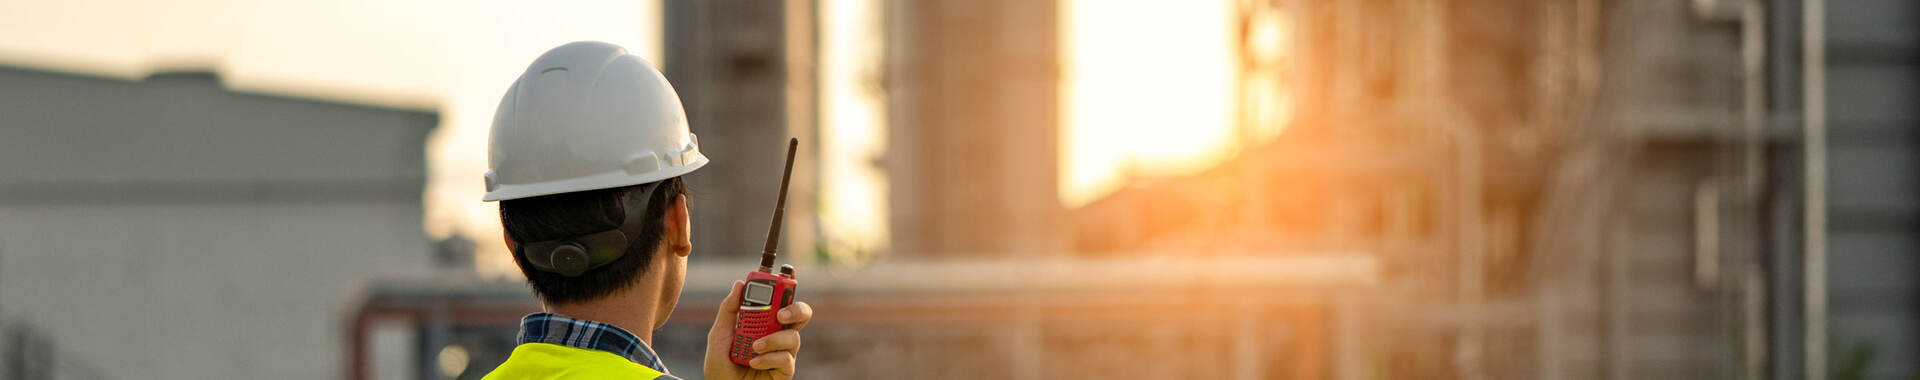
729, 308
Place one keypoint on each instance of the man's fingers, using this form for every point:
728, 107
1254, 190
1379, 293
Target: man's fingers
796, 315
777, 361
784, 340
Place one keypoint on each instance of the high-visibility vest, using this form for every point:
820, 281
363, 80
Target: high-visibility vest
551, 361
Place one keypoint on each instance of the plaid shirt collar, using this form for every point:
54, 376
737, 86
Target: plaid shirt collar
562, 330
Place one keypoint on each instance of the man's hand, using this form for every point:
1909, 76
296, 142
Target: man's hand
777, 351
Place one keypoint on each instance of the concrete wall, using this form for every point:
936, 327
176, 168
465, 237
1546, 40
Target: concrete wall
171, 229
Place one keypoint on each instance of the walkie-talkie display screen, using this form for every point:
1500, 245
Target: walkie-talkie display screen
759, 294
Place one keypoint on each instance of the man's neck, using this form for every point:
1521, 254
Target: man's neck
632, 309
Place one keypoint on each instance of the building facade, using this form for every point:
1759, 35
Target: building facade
169, 228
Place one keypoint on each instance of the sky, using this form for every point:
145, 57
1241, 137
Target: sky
1138, 101
1143, 101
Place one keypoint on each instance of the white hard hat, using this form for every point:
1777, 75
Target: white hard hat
587, 116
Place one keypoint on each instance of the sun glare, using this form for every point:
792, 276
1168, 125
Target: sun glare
853, 120
1148, 90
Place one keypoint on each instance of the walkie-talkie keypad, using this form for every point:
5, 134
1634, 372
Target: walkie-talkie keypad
743, 347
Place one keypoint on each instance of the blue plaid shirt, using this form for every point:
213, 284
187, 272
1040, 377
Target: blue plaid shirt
562, 330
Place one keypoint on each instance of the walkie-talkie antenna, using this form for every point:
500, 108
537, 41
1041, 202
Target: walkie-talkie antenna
779, 212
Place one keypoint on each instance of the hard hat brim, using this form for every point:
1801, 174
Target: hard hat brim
594, 182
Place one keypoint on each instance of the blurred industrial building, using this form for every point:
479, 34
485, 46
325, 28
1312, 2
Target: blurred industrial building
1557, 189
973, 99
168, 228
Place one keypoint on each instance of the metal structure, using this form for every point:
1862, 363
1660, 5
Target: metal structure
1630, 189
1234, 318
972, 90
1860, 84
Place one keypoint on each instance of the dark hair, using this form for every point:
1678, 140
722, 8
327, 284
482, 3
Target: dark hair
567, 215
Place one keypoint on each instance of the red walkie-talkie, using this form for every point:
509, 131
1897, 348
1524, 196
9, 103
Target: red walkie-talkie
766, 292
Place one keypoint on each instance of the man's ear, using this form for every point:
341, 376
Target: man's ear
679, 231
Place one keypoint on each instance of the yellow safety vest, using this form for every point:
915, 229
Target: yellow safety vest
551, 361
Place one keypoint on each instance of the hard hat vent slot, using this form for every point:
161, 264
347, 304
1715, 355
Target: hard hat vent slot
643, 164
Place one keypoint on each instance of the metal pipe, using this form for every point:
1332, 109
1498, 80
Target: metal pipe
1618, 300
1753, 57
1706, 235
1753, 48
1813, 74
1467, 189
